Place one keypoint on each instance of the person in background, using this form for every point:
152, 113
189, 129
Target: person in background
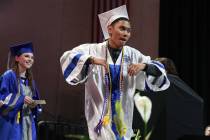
111, 70
207, 131
18, 92
168, 64
181, 103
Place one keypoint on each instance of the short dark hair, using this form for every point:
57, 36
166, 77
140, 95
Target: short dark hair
118, 19
168, 64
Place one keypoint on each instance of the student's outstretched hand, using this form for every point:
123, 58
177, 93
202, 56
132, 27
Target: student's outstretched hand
99, 61
134, 69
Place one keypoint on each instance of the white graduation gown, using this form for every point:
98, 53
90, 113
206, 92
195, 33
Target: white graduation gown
76, 70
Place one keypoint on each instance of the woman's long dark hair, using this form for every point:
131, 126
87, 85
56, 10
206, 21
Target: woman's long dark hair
29, 75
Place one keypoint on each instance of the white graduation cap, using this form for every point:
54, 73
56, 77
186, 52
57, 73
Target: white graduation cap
108, 17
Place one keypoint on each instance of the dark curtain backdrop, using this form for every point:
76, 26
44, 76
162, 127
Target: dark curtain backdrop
184, 37
55, 26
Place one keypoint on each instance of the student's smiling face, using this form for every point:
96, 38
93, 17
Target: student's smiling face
25, 60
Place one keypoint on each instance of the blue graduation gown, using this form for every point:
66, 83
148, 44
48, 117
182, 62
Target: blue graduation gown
10, 112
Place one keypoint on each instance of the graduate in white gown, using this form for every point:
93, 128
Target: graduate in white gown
111, 72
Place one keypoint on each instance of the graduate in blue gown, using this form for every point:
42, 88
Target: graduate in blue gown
18, 109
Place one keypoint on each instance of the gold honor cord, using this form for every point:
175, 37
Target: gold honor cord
118, 118
107, 118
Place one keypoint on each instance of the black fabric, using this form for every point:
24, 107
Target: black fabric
176, 112
23, 80
184, 108
48, 130
184, 37
152, 70
194, 137
114, 53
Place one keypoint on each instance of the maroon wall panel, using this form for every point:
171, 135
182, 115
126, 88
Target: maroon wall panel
55, 26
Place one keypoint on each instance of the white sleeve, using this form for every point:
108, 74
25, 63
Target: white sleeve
73, 64
149, 82
157, 83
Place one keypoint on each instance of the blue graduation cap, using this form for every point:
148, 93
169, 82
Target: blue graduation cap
17, 50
